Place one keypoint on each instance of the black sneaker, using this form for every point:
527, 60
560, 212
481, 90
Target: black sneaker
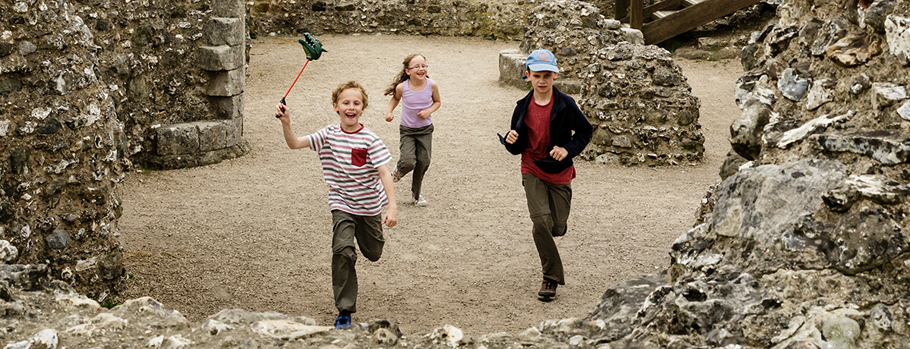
547, 290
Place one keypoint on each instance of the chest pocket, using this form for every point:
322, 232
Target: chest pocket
359, 156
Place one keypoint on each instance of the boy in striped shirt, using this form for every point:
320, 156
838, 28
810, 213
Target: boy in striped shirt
360, 184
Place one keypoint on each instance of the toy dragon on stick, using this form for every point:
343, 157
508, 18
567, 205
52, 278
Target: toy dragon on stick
313, 49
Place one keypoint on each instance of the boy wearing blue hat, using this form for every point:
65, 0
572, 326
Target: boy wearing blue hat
548, 130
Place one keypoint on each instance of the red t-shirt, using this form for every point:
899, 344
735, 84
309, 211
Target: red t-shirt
538, 123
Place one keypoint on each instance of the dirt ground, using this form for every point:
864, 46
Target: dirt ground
255, 232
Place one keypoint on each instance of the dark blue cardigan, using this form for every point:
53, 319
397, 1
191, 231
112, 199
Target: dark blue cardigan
564, 118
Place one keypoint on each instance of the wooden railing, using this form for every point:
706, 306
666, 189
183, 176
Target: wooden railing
670, 18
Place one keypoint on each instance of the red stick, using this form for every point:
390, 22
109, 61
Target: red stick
295, 81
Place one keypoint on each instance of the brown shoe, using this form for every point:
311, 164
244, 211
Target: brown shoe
547, 290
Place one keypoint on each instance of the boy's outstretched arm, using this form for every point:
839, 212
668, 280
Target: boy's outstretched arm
390, 219
294, 142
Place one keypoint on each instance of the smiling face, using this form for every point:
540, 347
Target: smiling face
541, 81
349, 106
417, 68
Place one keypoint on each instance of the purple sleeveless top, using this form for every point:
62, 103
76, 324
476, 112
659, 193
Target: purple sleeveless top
413, 102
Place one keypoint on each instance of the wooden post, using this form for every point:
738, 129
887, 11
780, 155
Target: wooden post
622, 9
637, 14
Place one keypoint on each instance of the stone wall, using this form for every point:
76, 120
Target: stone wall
500, 19
217, 134
89, 88
62, 146
804, 245
642, 108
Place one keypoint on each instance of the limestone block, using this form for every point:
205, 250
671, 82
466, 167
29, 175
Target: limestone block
820, 93
177, 139
632, 36
904, 111
228, 8
897, 33
26, 48
287, 329
4, 127
234, 132
46, 338
226, 83
749, 203
8, 252
512, 68
220, 58
822, 122
885, 94
227, 107
746, 132
212, 134
224, 31
612, 24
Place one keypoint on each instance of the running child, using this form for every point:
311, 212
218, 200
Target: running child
354, 167
548, 130
419, 97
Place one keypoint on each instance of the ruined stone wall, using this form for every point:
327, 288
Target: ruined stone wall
89, 88
642, 108
499, 19
804, 245
179, 102
62, 146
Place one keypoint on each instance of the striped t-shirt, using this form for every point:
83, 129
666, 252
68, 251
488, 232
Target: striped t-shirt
349, 162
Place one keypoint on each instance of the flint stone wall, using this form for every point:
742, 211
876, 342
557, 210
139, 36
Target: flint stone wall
89, 89
500, 19
804, 245
642, 108
62, 146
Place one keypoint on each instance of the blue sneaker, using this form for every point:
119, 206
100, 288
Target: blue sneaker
343, 321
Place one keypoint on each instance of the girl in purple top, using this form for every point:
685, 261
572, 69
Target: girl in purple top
419, 97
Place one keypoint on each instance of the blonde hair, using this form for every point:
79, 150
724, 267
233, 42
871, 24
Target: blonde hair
350, 85
401, 77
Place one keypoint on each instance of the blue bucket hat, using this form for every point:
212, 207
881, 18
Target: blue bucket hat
542, 60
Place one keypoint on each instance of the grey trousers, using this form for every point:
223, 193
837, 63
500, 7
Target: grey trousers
416, 148
368, 232
549, 206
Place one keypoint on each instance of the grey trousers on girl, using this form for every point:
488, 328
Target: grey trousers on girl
416, 148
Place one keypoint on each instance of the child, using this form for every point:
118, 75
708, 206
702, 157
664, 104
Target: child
420, 98
542, 132
354, 166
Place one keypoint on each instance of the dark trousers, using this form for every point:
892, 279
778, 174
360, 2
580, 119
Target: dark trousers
368, 232
549, 206
416, 147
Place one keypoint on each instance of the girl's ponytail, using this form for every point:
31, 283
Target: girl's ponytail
403, 76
